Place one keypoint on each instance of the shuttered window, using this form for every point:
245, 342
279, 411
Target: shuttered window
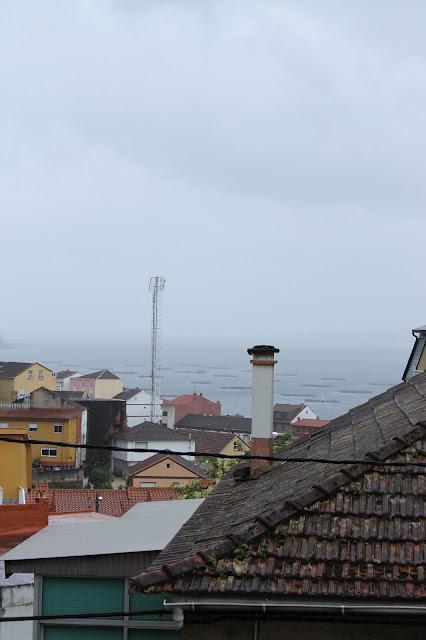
82, 595
82, 633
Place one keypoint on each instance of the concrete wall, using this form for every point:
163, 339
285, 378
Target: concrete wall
16, 600
15, 463
131, 458
240, 630
33, 378
108, 388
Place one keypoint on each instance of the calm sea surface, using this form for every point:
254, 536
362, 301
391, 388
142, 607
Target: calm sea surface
329, 380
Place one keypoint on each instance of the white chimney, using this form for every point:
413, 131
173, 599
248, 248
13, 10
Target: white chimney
263, 361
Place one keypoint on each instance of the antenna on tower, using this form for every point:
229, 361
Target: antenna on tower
156, 286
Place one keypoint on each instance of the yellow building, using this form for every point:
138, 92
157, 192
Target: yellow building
56, 425
15, 462
100, 384
19, 379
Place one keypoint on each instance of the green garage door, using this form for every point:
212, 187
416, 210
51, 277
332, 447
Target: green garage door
82, 595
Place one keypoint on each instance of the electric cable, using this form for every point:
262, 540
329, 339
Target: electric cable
224, 456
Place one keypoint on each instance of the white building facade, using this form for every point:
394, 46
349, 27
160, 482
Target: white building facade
148, 436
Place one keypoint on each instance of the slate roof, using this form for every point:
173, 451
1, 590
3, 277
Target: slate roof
127, 394
232, 424
104, 374
290, 411
211, 441
13, 369
115, 502
311, 529
146, 431
159, 457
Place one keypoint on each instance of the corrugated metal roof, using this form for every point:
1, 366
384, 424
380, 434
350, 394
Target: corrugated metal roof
148, 526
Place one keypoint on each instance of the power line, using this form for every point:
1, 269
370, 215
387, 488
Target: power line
83, 616
223, 456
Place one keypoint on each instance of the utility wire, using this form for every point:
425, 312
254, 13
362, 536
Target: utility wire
224, 456
83, 616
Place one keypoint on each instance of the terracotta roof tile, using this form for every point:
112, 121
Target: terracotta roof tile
115, 502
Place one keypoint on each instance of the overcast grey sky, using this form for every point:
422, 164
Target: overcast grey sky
267, 157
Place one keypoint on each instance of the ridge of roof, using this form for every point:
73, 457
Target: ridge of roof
266, 523
158, 457
103, 374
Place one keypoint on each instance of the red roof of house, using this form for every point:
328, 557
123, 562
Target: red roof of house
115, 502
20, 521
309, 422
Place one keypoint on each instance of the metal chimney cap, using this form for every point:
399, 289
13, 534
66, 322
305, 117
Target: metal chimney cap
262, 349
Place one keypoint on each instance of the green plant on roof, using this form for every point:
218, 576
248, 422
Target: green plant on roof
242, 552
191, 491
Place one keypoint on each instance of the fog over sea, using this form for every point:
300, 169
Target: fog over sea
330, 380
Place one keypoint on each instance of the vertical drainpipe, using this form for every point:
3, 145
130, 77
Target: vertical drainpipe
263, 361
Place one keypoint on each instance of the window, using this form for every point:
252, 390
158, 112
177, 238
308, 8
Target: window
40, 374
57, 428
168, 465
147, 484
3, 425
164, 413
32, 427
51, 453
30, 374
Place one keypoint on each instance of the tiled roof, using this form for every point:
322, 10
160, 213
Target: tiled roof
310, 422
147, 431
115, 502
127, 394
232, 424
13, 369
159, 457
42, 413
311, 529
104, 374
211, 441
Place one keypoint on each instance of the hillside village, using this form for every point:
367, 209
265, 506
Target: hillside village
294, 521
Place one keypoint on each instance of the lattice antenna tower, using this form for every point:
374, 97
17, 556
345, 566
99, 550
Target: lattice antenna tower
156, 286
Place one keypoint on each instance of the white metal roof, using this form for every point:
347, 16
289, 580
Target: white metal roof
148, 526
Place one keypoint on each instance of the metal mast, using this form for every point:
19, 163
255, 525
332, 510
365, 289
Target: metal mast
156, 286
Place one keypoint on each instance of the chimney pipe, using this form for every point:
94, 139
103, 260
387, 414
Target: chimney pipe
263, 361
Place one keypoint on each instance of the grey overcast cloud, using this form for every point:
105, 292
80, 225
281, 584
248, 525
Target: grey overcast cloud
267, 157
